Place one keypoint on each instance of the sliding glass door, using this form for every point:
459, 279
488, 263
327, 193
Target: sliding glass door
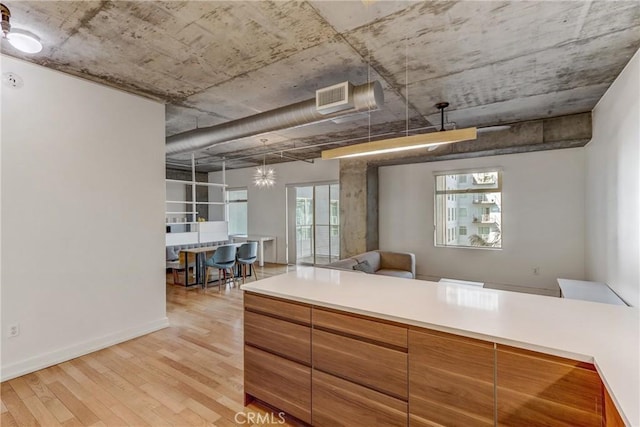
316, 234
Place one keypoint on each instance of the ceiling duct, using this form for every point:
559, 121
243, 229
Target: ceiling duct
335, 98
366, 97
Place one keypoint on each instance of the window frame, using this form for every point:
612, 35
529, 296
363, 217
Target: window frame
447, 193
229, 202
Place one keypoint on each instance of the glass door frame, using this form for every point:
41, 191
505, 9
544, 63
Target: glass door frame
293, 188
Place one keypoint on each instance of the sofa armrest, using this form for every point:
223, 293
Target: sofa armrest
398, 261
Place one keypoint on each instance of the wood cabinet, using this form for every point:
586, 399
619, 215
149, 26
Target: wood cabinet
359, 370
451, 380
290, 311
538, 389
370, 365
337, 402
278, 382
331, 368
277, 354
360, 327
277, 336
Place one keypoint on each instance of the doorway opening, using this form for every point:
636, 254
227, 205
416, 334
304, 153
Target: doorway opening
314, 223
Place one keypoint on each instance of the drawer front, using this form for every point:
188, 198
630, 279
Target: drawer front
380, 368
337, 402
278, 308
562, 391
290, 340
451, 380
278, 382
360, 327
427, 413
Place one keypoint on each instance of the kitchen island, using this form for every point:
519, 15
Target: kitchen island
416, 352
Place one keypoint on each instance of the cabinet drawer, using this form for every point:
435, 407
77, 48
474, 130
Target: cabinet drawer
290, 340
380, 368
537, 386
450, 380
278, 382
361, 327
337, 402
278, 308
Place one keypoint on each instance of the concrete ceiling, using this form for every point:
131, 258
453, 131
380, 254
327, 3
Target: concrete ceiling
212, 61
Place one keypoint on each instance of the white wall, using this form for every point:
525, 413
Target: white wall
82, 217
542, 219
267, 206
613, 180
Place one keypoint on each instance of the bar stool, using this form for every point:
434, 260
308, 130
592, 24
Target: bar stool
224, 258
247, 255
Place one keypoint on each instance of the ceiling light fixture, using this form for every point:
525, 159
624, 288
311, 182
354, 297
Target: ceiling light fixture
264, 177
405, 142
24, 41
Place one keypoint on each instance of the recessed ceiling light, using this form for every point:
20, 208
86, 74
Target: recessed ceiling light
24, 41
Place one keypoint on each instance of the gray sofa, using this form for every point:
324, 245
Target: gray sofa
386, 263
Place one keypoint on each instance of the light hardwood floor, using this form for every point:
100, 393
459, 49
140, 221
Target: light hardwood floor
189, 374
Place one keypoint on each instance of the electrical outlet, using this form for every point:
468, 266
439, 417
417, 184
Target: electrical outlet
536, 271
14, 330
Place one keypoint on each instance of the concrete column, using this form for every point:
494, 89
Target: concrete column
358, 207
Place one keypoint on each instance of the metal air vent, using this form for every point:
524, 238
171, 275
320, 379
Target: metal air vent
335, 98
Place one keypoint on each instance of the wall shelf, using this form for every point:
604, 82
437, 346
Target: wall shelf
197, 203
181, 231
206, 184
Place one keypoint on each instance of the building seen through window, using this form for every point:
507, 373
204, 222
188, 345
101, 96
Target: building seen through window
468, 209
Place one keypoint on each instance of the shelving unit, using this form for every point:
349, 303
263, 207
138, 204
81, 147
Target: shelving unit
185, 228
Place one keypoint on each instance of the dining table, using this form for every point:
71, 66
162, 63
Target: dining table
201, 255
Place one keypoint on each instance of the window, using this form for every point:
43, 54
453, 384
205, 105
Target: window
237, 211
484, 231
468, 209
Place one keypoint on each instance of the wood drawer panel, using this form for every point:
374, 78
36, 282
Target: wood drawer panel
437, 394
290, 340
611, 415
278, 382
337, 402
523, 410
451, 379
428, 413
380, 368
553, 379
357, 326
278, 308
463, 356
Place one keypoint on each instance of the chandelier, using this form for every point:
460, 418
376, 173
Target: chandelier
264, 177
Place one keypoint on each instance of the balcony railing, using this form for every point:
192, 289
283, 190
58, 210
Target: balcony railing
478, 200
484, 219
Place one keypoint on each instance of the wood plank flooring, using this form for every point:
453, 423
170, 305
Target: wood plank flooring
189, 374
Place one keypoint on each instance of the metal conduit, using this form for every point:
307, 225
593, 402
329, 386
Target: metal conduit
366, 97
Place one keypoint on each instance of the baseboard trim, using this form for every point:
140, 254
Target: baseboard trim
71, 352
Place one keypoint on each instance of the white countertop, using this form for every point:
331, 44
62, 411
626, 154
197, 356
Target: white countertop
606, 335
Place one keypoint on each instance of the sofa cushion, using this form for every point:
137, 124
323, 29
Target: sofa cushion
364, 266
395, 273
343, 264
373, 258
